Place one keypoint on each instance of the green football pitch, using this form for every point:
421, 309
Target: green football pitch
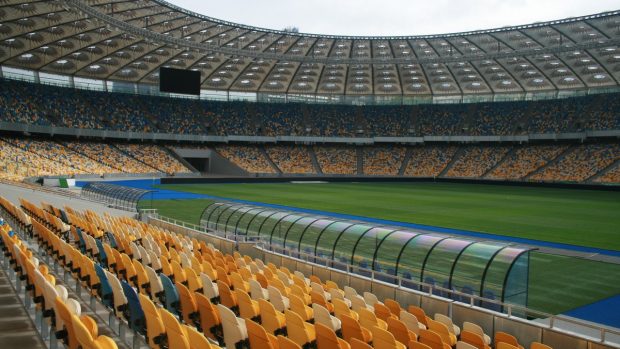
557, 283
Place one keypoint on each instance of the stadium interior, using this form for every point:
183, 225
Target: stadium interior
93, 157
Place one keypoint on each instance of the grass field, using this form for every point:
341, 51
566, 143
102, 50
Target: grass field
557, 283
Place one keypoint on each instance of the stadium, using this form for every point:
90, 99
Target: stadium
173, 180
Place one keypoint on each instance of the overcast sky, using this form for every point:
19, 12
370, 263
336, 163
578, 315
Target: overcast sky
393, 17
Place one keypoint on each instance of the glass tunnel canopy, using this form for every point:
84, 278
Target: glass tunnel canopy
488, 269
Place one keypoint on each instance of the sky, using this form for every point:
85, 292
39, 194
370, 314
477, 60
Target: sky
393, 17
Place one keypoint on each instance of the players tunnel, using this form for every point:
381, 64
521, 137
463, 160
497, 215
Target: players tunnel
493, 270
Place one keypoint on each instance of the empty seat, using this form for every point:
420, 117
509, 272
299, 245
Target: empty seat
322, 316
257, 291
382, 339
197, 340
88, 338
272, 320
210, 320
259, 338
248, 308
418, 313
358, 344
155, 287
171, 296
326, 338
155, 330
280, 302
503, 337
189, 308
352, 329
136, 314
474, 339
411, 322
227, 297
369, 320
300, 307
209, 288
400, 331
454, 329
443, 331
472, 327
298, 330
234, 328
432, 339
175, 334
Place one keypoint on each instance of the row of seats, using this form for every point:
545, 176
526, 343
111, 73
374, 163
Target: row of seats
49, 296
178, 291
30, 103
472, 161
30, 157
583, 162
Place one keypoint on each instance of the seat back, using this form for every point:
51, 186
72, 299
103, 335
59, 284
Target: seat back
155, 284
382, 311
358, 302
446, 321
258, 336
227, 298
322, 316
256, 290
64, 321
120, 301
234, 328
136, 314
174, 332
248, 308
296, 329
474, 328
276, 298
351, 329
341, 308
325, 337
431, 339
418, 313
382, 339
155, 329
400, 331
503, 337
370, 298
410, 321
189, 309
209, 317
368, 319
208, 286
82, 334
393, 305
197, 339
473, 338
269, 316
105, 289
170, 293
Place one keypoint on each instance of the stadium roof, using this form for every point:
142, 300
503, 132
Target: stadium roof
130, 40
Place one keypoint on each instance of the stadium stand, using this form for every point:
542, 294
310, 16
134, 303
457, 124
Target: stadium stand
154, 156
580, 163
475, 161
429, 161
156, 283
526, 160
291, 159
383, 160
339, 160
29, 103
249, 158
